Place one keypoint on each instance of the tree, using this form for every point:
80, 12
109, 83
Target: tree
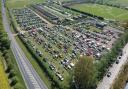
12, 73
9, 68
85, 73
101, 68
5, 42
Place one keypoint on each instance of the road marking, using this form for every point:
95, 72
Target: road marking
30, 75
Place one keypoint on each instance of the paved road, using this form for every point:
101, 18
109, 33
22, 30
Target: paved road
30, 76
106, 83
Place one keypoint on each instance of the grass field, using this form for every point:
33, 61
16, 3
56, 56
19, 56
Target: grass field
21, 3
121, 2
4, 83
103, 11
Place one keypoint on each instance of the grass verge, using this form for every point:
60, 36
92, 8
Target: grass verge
4, 83
18, 74
30, 57
35, 64
120, 82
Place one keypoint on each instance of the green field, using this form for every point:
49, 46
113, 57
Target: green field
121, 2
114, 2
21, 3
103, 11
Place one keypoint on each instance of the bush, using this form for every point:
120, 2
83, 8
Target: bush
6, 56
14, 81
108, 59
12, 74
18, 86
9, 68
5, 52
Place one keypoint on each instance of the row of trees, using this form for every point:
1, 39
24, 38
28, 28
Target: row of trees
55, 83
87, 74
108, 3
5, 48
4, 41
120, 82
88, 14
11, 70
109, 59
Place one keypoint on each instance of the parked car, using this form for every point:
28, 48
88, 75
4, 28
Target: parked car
117, 61
108, 74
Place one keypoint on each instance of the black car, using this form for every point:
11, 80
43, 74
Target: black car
117, 61
108, 74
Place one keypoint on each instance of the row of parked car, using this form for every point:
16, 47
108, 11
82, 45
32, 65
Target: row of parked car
116, 62
60, 46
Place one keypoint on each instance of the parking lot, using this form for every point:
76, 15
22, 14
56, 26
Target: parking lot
60, 46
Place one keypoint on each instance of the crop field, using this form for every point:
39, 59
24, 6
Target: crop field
21, 3
103, 11
3, 78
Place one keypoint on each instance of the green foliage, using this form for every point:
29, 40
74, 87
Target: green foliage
125, 24
12, 67
120, 82
109, 59
14, 81
9, 67
4, 41
6, 56
18, 86
44, 66
85, 73
4, 83
12, 73
105, 11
